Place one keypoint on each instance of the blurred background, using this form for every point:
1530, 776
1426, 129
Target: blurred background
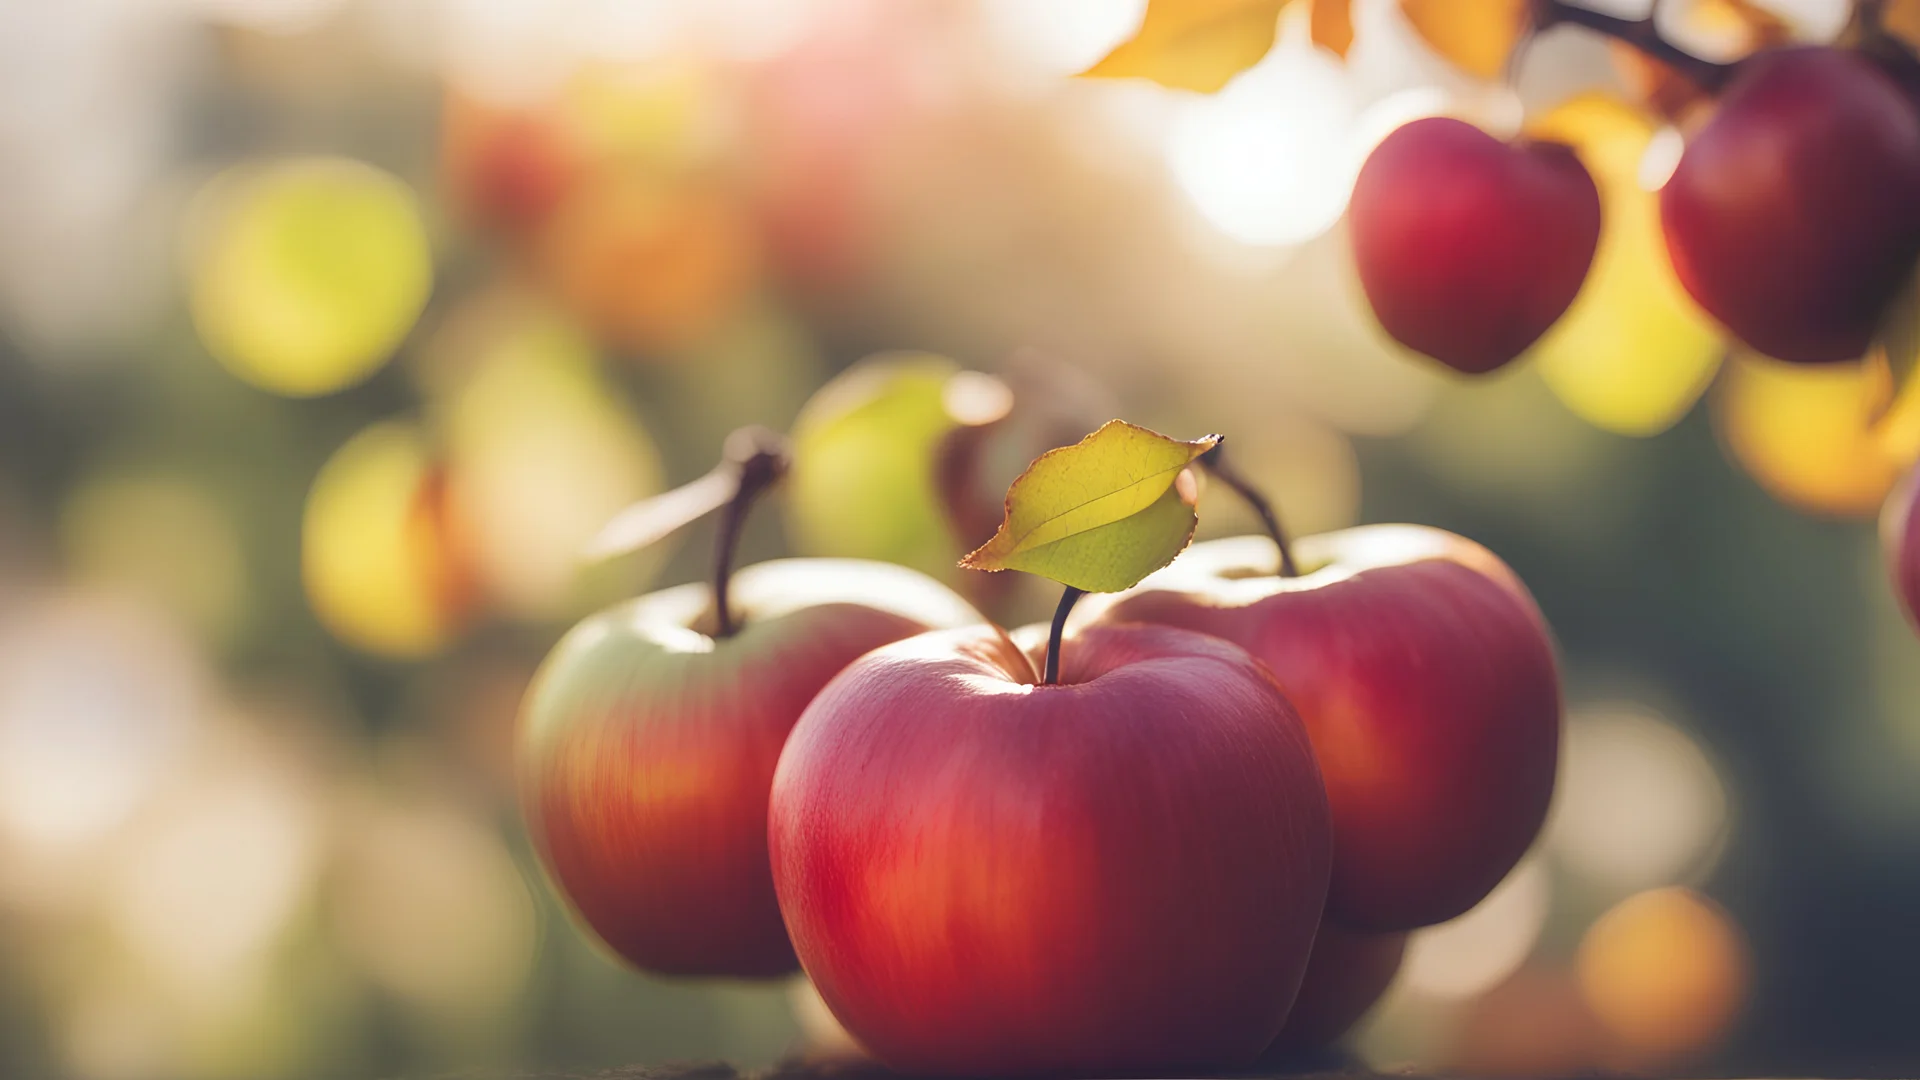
331, 329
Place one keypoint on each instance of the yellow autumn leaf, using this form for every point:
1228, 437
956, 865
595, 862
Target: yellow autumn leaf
1901, 18
1475, 35
1331, 25
1194, 44
1633, 352
1101, 514
1813, 435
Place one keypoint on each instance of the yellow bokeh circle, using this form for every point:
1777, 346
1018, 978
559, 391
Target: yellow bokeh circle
1666, 971
377, 566
309, 272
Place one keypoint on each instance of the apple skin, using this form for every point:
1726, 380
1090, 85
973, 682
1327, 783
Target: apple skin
1346, 975
646, 750
1117, 874
1469, 248
1900, 543
1427, 680
1792, 216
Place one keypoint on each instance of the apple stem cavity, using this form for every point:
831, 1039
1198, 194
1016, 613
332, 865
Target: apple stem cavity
1067, 599
1216, 465
760, 459
1642, 34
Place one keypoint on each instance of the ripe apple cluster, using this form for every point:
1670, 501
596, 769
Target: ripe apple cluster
1790, 218
1188, 827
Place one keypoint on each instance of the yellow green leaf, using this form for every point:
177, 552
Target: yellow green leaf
1101, 514
1194, 44
1476, 36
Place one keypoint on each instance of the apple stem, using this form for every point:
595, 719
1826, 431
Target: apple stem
759, 459
1215, 462
1067, 600
1643, 34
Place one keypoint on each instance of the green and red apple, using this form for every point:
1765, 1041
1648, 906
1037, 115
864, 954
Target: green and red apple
648, 741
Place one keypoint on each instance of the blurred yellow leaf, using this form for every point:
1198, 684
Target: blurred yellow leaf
1101, 514
1332, 25
1634, 352
1901, 18
1475, 35
1812, 435
310, 272
1745, 24
1194, 44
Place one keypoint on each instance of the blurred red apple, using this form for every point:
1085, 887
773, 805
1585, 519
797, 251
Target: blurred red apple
647, 748
1427, 681
1119, 873
824, 117
1469, 248
1900, 543
1346, 975
654, 264
1794, 215
505, 169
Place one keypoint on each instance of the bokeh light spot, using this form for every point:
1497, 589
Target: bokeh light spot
1638, 803
1468, 955
1270, 160
1634, 352
1667, 971
309, 273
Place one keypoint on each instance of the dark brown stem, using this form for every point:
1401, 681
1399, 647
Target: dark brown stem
1215, 462
1067, 600
1642, 34
761, 458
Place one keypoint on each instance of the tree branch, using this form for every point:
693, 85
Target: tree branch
1642, 34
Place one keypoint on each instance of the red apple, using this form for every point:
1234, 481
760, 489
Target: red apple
1346, 974
1468, 247
1427, 681
506, 169
1119, 873
1794, 214
1900, 543
647, 748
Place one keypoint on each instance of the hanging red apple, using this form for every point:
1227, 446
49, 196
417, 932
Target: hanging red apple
1794, 214
1469, 248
